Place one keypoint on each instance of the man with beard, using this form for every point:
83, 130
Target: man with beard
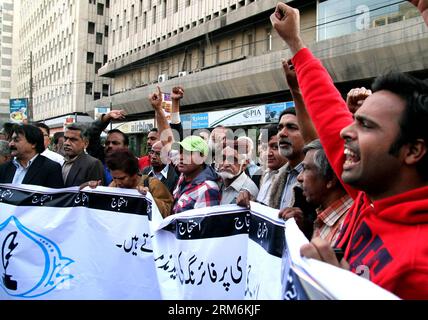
290, 144
93, 133
288, 192
232, 172
28, 166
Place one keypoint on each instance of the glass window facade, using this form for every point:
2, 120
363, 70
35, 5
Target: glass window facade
336, 18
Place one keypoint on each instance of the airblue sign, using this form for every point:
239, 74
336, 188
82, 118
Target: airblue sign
195, 121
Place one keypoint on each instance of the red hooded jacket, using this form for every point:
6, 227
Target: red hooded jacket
387, 238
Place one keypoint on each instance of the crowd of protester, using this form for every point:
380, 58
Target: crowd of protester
353, 173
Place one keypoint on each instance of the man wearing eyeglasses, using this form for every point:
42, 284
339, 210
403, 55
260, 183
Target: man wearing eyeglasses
47, 140
161, 167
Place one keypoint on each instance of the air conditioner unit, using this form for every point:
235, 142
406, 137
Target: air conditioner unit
182, 73
162, 78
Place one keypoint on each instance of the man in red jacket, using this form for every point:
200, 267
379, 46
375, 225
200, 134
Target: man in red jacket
382, 158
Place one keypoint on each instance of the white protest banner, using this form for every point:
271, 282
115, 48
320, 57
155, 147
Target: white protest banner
204, 253
313, 279
265, 250
222, 252
108, 243
65, 244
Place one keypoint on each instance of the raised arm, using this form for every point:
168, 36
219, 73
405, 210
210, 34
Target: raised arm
165, 133
303, 119
324, 102
93, 133
356, 97
176, 126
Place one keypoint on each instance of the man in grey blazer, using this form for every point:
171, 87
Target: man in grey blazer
79, 166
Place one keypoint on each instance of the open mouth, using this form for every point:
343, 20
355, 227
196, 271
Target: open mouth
351, 159
284, 145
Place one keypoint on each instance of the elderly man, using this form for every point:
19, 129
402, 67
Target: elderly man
232, 172
161, 167
323, 189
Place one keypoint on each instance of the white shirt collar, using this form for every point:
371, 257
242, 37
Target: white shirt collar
18, 164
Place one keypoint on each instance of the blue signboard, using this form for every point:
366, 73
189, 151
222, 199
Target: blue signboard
199, 120
195, 121
18, 109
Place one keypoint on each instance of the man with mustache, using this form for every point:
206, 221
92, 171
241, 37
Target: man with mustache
232, 172
290, 143
28, 166
79, 166
381, 156
115, 140
275, 161
161, 166
288, 192
323, 189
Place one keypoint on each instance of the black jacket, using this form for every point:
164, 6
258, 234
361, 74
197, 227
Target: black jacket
42, 172
171, 178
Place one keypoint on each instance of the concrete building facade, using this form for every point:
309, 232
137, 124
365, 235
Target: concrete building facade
66, 42
6, 32
226, 54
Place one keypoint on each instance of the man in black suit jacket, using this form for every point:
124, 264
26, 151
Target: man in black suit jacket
28, 166
79, 166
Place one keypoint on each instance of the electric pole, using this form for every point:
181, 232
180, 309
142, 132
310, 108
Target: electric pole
30, 100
